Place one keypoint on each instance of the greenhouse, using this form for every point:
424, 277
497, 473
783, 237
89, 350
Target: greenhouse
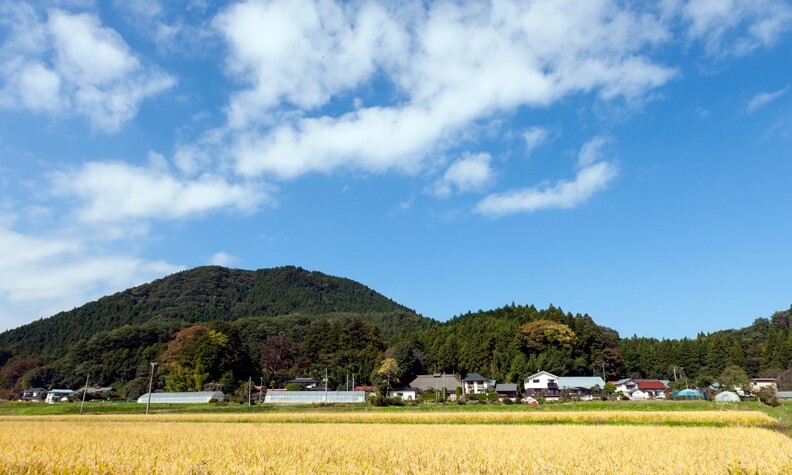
315, 397
727, 396
688, 394
182, 398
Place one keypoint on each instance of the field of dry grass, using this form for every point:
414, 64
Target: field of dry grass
99, 445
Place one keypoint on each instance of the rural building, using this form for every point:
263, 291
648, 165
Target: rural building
34, 394
59, 395
550, 386
640, 389
405, 394
437, 381
507, 391
759, 383
579, 386
195, 397
542, 384
784, 395
475, 383
314, 397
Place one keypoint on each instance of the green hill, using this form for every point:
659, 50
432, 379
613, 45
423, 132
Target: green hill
210, 294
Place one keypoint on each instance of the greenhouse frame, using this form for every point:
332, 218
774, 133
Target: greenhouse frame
315, 397
182, 398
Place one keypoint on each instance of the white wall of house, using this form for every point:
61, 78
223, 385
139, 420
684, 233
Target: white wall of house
404, 395
540, 380
477, 387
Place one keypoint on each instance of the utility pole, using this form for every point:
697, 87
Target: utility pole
85, 391
250, 381
325, 385
261, 390
151, 382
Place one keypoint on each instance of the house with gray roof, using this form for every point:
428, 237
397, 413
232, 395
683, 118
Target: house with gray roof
507, 391
475, 383
436, 382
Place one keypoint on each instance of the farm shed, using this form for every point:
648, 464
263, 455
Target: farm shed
727, 396
314, 397
784, 395
182, 398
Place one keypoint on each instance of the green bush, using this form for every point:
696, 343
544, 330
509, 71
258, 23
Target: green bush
508, 401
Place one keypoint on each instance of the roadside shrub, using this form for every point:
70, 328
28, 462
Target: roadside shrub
508, 401
381, 401
768, 396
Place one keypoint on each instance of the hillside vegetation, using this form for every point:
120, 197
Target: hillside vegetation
213, 327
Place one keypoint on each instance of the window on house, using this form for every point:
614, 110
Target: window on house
535, 380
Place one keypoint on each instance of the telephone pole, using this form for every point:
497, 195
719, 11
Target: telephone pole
85, 391
151, 382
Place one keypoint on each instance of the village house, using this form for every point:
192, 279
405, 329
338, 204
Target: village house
542, 384
759, 383
552, 387
34, 394
405, 394
641, 389
436, 382
507, 391
475, 383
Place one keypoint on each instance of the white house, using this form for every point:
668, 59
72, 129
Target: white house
405, 394
759, 383
542, 384
59, 395
640, 389
475, 383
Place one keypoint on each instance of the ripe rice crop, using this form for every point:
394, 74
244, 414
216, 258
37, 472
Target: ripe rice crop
94, 445
713, 418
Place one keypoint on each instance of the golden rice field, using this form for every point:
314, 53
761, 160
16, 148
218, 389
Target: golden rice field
213, 443
718, 418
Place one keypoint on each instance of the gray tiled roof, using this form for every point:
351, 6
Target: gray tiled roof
435, 381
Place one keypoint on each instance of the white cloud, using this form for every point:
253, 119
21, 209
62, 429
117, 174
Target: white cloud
40, 276
302, 52
592, 176
470, 173
70, 63
222, 259
451, 65
736, 27
534, 137
591, 151
116, 192
763, 99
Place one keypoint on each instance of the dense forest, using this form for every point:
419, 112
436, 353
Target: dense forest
213, 327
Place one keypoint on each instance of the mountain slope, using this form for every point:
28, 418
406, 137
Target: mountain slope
203, 294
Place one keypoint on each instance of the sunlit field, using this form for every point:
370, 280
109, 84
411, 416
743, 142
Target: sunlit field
393, 443
710, 418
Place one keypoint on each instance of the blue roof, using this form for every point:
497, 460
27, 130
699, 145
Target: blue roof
586, 382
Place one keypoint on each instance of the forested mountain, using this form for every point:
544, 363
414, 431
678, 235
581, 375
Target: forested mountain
216, 327
204, 294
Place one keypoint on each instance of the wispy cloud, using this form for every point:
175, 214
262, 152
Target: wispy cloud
593, 175
764, 98
472, 172
534, 137
735, 27
221, 258
43, 275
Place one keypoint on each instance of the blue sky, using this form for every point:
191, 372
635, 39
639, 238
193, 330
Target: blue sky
629, 160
